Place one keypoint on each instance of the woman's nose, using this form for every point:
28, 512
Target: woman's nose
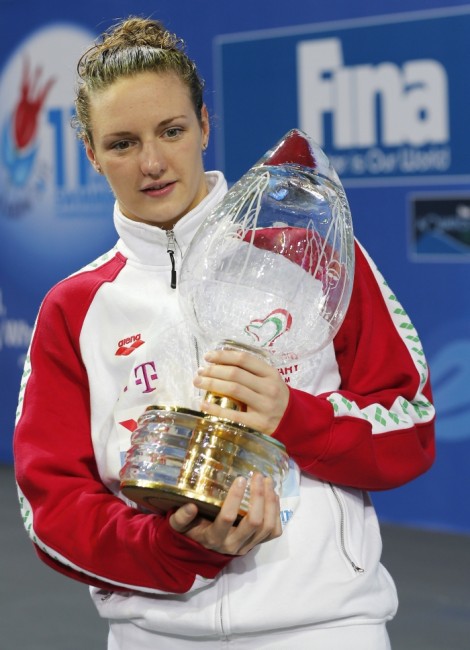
152, 160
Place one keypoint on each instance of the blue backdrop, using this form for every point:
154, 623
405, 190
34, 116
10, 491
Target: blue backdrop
386, 94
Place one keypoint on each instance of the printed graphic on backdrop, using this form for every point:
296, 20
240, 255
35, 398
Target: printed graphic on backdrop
386, 118
385, 97
440, 228
55, 211
451, 376
51, 201
15, 334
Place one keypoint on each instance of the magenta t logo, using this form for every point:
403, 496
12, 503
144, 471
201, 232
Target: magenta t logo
148, 373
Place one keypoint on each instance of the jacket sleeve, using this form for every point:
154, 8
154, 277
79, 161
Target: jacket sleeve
377, 430
76, 524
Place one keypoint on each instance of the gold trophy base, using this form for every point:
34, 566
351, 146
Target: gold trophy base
160, 497
178, 455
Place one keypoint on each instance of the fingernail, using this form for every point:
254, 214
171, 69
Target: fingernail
240, 481
269, 482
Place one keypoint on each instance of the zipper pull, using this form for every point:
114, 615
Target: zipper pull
170, 249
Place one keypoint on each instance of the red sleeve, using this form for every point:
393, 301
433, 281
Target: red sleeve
77, 525
377, 430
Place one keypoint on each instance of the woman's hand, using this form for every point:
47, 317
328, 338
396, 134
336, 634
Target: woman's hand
248, 379
260, 524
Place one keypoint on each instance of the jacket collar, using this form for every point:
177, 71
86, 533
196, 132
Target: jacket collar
147, 244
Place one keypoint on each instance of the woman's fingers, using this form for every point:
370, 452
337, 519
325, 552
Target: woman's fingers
260, 524
247, 379
246, 360
231, 372
263, 521
217, 536
182, 518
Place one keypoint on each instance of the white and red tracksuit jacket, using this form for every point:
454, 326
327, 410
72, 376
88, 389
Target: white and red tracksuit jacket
111, 340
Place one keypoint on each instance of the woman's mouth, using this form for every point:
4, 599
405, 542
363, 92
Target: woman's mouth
159, 189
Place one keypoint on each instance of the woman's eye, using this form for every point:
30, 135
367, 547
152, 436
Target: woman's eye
121, 145
173, 132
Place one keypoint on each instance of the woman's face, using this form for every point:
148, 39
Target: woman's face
148, 142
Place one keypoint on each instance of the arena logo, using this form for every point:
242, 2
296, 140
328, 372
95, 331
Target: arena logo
376, 118
43, 167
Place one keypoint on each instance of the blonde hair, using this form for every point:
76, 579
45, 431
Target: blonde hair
132, 46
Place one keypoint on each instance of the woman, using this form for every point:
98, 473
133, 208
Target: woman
103, 343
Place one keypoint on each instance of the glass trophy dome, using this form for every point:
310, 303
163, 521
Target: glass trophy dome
272, 267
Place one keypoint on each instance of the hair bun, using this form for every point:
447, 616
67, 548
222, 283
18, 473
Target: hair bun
138, 32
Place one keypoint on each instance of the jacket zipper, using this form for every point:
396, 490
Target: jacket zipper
342, 533
171, 249
224, 636
196, 349
223, 632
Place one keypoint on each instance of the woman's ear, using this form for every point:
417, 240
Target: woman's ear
205, 127
90, 154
